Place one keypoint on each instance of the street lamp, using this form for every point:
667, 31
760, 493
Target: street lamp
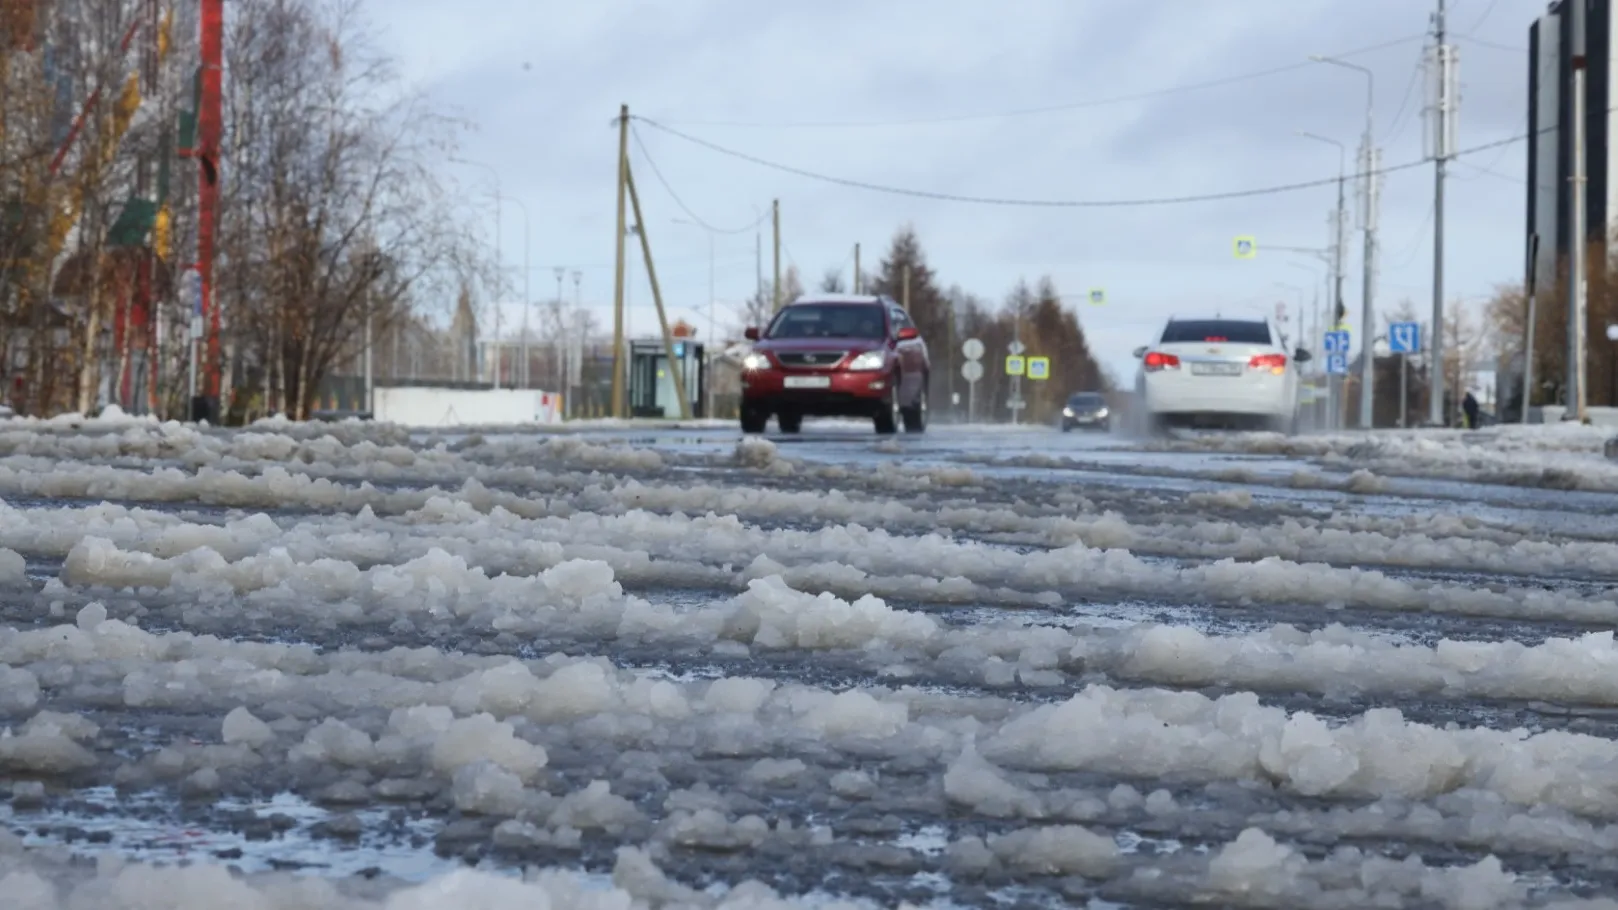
707, 408
1340, 219
1369, 175
499, 344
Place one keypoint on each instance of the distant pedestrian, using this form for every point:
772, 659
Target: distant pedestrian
1469, 405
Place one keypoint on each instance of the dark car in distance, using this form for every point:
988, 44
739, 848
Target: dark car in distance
836, 355
1088, 410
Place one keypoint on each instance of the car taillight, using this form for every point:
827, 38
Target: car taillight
1275, 363
1157, 360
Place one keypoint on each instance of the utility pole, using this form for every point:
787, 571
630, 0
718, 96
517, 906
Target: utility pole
370, 376
904, 291
1442, 117
713, 338
1577, 393
1370, 163
561, 334
856, 284
1373, 159
676, 364
576, 368
1532, 287
775, 218
618, 266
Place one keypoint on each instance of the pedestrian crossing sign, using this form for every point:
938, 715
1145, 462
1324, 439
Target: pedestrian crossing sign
1014, 365
1039, 368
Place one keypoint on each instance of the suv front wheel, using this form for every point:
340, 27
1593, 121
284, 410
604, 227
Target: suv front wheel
891, 413
754, 419
915, 416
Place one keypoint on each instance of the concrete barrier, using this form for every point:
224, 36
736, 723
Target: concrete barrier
429, 406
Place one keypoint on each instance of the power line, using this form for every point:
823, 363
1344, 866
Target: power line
1051, 203
658, 173
1050, 108
1493, 45
1397, 125
1487, 11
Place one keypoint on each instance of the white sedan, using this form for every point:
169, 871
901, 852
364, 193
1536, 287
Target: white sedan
1219, 371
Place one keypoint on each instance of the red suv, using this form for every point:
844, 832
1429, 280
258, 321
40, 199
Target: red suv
836, 355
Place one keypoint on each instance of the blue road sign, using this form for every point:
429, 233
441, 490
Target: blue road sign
1337, 364
1336, 342
679, 350
1404, 337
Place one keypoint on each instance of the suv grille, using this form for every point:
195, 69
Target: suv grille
824, 360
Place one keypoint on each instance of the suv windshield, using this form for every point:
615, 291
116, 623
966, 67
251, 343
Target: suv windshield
830, 320
1229, 331
1086, 400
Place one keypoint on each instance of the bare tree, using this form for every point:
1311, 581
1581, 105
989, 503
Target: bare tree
334, 216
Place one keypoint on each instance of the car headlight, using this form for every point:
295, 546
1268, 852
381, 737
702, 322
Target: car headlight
755, 362
870, 360
1102, 413
1067, 412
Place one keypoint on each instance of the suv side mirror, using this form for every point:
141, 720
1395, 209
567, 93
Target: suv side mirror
1140, 352
909, 333
751, 334
1302, 356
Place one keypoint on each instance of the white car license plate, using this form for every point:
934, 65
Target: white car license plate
1216, 369
808, 382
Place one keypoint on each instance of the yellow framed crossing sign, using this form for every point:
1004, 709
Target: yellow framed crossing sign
1014, 365
1039, 368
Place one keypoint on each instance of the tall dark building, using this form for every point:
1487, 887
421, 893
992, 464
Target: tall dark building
1550, 146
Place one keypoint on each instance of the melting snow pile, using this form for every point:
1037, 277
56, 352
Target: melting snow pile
639, 671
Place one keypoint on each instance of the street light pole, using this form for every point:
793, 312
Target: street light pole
501, 277
712, 338
1370, 166
561, 334
1341, 218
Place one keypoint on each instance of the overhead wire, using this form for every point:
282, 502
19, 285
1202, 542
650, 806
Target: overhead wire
1397, 125
657, 173
1487, 12
1144, 202
1147, 95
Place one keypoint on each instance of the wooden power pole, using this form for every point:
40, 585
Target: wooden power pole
618, 266
628, 197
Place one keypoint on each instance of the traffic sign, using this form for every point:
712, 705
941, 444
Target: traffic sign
972, 370
1039, 368
973, 349
1246, 247
1098, 297
1016, 404
1336, 342
1337, 364
1017, 347
1014, 365
679, 350
1404, 337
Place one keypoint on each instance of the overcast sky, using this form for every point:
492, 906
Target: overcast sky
944, 96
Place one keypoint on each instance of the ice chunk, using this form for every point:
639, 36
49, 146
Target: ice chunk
856, 713
485, 788
242, 727
1254, 866
27, 891
972, 781
480, 738
19, 690
1056, 850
